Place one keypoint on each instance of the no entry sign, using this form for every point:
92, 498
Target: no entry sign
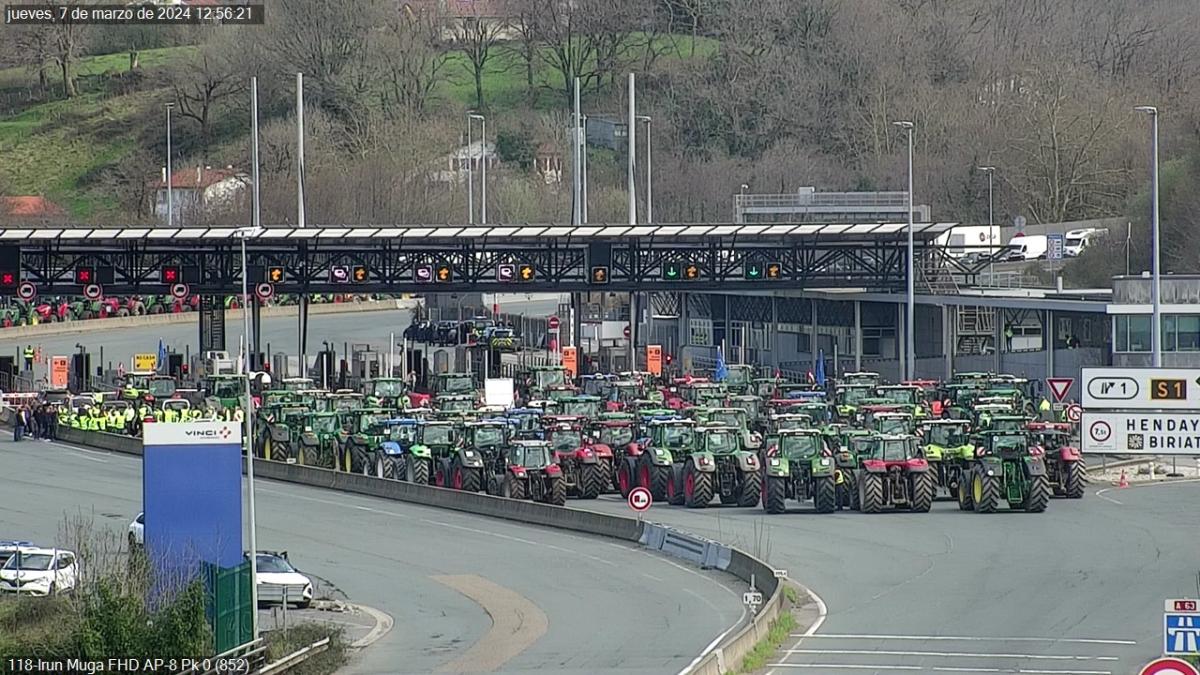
640, 499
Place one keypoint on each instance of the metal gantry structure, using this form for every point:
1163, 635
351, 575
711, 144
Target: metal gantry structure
467, 258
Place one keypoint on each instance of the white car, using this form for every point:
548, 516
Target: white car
278, 581
9, 547
40, 571
137, 532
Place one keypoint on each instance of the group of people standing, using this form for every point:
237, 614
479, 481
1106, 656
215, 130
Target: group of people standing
38, 421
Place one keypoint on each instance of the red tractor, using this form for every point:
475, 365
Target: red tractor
526, 470
892, 472
586, 467
53, 311
616, 433
1064, 463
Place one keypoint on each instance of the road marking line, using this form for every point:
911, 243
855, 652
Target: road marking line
822, 613
964, 638
651, 576
383, 626
517, 623
970, 655
938, 669
1100, 494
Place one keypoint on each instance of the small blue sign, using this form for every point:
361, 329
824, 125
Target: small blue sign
1181, 634
1054, 246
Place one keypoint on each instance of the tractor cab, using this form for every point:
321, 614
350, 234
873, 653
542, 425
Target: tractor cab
764, 387
864, 378
453, 383
528, 455
402, 431
891, 423
455, 403
893, 448
847, 398
750, 403
486, 435
587, 407
229, 389
799, 444
597, 385
384, 391
615, 433
740, 377
297, 383
900, 394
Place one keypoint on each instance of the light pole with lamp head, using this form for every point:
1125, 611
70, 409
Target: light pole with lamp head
244, 233
990, 171
470, 174
909, 347
1155, 279
649, 172
484, 162
170, 196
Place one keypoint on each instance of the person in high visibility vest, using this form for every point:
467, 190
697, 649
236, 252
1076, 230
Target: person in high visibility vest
170, 415
1044, 408
238, 415
29, 355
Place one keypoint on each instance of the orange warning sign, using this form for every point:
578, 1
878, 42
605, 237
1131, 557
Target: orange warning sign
59, 366
570, 358
654, 359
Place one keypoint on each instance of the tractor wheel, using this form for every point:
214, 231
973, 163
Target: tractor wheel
923, 489
1073, 480
472, 479
557, 494
626, 471
985, 492
965, 480
512, 487
122, 312
870, 493
750, 492
675, 487
697, 487
441, 477
1039, 494
774, 496
492, 485
653, 478
607, 477
824, 494
591, 480
417, 470
359, 458
384, 467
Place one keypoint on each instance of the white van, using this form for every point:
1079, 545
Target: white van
1027, 247
1078, 240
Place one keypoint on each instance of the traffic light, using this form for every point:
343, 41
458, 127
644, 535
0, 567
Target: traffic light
671, 271
668, 358
275, 275
171, 275
444, 273
774, 270
525, 273
752, 270
360, 274
599, 274
691, 271
85, 275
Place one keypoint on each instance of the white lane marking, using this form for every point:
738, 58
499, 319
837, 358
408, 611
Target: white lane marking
651, 576
938, 669
703, 599
82, 453
711, 646
1100, 494
964, 638
822, 613
969, 655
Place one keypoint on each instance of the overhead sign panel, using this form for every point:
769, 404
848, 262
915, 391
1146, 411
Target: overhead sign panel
1134, 433
1141, 388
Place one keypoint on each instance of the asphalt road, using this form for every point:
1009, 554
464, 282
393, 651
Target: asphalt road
1077, 590
571, 604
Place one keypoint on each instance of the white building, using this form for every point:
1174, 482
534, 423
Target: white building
195, 189
453, 167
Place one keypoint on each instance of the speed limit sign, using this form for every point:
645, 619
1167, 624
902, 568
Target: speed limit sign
26, 291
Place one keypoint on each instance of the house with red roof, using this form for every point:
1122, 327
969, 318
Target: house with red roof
196, 189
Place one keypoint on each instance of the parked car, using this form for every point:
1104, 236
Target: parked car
40, 571
278, 581
137, 532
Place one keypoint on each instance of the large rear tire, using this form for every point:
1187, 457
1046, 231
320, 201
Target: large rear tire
557, 494
359, 458
775, 494
626, 472
824, 494
384, 467
1039, 494
420, 470
591, 480
870, 493
697, 487
750, 491
965, 480
1073, 479
512, 487
985, 492
924, 487
675, 487
654, 478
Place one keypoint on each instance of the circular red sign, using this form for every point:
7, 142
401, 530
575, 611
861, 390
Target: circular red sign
26, 291
1169, 666
179, 290
553, 323
93, 291
264, 291
640, 499
626, 331
1074, 413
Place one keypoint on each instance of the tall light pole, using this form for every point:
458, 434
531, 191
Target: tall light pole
170, 201
909, 347
483, 176
470, 174
583, 162
245, 233
301, 211
631, 126
649, 172
990, 171
1155, 280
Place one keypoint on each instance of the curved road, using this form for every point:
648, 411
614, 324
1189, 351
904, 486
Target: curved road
568, 603
1077, 590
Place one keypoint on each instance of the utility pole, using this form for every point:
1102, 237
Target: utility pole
909, 344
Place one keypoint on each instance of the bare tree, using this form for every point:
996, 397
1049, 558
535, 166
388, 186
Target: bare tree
524, 24
695, 11
562, 30
411, 57
475, 37
204, 81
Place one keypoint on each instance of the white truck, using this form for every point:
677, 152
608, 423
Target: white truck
1077, 241
1027, 247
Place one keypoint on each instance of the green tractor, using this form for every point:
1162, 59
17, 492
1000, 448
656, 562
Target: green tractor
799, 466
753, 405
653, 467
454, 403
717, 465
320, 435
847, 397
729, 417
909, 398
541, 379
487, 437
454, 464
868, 378
892, 423
399, 456
230, 390
587, 407
1006, 466
892, 472
386, 392
276, 430
453, 383
740, 378
949, 451
365, 434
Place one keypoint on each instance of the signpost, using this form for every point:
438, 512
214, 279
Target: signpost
180, 291
1074, 414
93, 291
59, 371
1181, 628
654, 359
552, 324
640, 499
1168, 666
1141, 433
264, 291
26, 291
570, 360
1054, 246
1059, 387
144, 362
1141, 388
506, 272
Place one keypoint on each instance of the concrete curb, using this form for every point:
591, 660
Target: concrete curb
710, 554
231, 316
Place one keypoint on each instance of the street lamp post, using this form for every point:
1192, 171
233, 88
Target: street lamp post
1155, 279
245, 233
990, 171
170, 200
649, 172
470, 174
484, 160
909, 346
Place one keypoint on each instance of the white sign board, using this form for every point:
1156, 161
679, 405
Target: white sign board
1130, 433
1141, 388
498, 391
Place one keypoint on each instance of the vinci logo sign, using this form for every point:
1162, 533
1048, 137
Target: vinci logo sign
194, 433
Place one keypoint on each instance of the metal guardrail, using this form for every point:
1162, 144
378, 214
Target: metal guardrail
295, 658
840, 199
253, 652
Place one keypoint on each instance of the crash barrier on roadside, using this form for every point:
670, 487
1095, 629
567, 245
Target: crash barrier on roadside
703, 552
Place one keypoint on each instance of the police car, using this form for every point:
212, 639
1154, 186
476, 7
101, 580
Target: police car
279, 582
39, 571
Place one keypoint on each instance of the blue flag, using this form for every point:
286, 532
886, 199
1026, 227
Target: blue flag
722, 370
162, 356
819, 374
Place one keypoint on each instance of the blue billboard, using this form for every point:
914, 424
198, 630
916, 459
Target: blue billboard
192, 498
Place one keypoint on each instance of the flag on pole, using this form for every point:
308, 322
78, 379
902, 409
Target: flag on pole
162, 357
722, 370
820, 368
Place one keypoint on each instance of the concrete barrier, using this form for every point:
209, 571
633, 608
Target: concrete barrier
231, 316
700, 551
